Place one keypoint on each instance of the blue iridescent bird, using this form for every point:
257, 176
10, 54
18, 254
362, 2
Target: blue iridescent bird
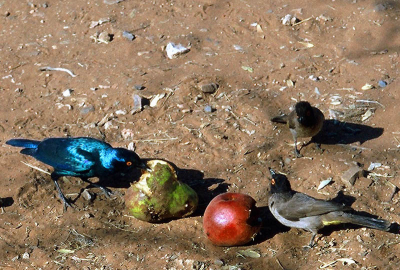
81, 157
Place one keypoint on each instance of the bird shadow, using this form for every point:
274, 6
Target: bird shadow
6, 202
342, 198
337, 132
348, 201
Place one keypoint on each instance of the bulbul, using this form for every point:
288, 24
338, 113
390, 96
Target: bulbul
298, 210
303, 121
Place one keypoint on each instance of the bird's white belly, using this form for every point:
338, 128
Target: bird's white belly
301, 224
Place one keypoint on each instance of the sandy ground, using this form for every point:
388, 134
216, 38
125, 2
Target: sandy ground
262, 68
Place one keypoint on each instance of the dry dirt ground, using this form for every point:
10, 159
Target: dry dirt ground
262, 68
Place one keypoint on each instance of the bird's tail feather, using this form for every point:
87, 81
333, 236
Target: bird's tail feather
374, 223
28, 151
280, 119
31, 144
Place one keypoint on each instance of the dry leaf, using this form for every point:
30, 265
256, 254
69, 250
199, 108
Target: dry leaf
347, 261
306, 44
249, 253
65, 251
367, 86
324, 183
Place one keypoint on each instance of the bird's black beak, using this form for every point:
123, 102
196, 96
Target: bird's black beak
143, 165
272, 172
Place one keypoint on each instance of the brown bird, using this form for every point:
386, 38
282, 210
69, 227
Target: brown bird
298, 210
303, 121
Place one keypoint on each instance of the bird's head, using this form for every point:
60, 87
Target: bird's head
305, 113
127, 160
279, 182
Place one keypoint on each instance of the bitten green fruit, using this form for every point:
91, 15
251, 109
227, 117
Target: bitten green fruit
158, 195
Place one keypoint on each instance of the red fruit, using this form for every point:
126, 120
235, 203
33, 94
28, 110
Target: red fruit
231, 219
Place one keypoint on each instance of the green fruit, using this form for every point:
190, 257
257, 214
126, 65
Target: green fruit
158, 195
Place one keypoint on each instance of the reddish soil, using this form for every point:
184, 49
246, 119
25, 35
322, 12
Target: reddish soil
342, 45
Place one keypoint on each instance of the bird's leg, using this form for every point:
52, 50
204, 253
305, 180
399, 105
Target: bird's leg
296, 151
60, 193
311, 244
107, 192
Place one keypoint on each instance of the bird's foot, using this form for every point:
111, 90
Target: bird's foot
318, 146
297, 153
65, 202
107, 192
61, 194
312, 243
308, 247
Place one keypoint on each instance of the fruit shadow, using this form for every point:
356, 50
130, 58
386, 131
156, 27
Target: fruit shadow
206, 188
337, 132
269, 227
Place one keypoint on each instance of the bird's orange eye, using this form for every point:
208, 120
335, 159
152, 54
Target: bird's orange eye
272, 181
129, 163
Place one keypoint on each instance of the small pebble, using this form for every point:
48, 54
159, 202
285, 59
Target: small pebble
219, 262
352, 174
105, 37
380, 7
137, 103
286, 20
374, 165
139, 87
209, 88
87, 195
382, 83
237, 48
208, 109
289, 20
86, 216
174, 50
25, 256
109, 125
120, 112
67, 93
87, 109
128, 35
111, 2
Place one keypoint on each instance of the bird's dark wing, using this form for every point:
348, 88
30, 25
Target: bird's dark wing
68, 154
302, 205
